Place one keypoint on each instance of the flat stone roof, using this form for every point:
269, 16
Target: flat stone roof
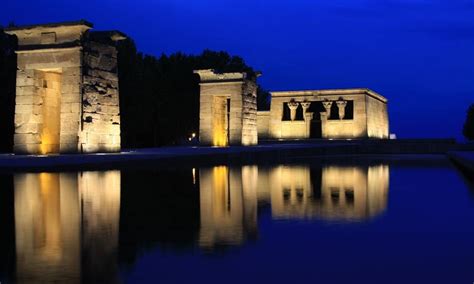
210, 75
51, 25
356, 91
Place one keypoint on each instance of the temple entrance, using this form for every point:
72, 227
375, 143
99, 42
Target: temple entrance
49, 84
315, 128
220, 121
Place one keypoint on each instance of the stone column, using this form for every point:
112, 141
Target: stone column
327, 105
305, 106
341, 105
324, 118
293, 106
308, 117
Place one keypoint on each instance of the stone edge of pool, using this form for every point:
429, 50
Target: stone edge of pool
179, 155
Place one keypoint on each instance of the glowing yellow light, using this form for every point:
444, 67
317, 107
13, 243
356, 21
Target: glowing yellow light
219, 122
193, 135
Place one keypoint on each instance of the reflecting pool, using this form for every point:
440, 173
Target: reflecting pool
392, 221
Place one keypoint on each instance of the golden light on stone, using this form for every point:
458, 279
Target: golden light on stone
67, 97
49, 91
219, 122
228, 109
369, 117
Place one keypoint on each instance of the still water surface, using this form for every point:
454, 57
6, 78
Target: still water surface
353, 222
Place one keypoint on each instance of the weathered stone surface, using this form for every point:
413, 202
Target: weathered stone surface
68, 78
369, 118
228, 109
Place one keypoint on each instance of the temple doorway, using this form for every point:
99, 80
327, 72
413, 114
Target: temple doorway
220, 121
315, 128
49, 83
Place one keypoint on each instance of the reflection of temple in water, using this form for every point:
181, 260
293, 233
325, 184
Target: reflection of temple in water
229, 197
67, 226
228, 205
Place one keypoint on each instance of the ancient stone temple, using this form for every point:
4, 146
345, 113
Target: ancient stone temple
67, 97
228, 108
228, 113
328, 114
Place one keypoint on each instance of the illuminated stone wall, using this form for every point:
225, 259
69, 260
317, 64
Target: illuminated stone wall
79, 65
377, 121
369, 115
217, 91
100, 99
263, 123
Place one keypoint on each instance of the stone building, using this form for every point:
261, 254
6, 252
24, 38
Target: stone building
228, 114
67, 97
228, 108
328, 114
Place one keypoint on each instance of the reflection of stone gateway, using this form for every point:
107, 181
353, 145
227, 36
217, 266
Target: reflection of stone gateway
228, 205
63, 218
229, 197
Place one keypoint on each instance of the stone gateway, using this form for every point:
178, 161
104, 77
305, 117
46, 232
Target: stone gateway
228, 108
67, 94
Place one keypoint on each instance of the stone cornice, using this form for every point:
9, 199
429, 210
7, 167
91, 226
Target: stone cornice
329, 92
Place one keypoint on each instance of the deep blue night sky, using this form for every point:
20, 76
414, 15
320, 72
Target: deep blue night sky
417, 53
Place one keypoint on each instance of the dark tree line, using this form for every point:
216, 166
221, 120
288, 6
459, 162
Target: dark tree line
468, 130
7, 90
159, 96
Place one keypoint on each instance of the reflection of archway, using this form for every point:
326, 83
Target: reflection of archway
66, 227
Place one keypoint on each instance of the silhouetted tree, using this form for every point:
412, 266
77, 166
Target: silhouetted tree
263, 99
468, 130
7, 89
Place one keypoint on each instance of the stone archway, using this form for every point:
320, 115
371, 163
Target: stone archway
228, 109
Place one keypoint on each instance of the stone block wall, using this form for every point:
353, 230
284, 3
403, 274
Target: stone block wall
370, 119
29, 108
377, 121
241, 93
263, 124
294, 129
276, 116
209, 111
100, 99
249, 113
67, 98
350, 128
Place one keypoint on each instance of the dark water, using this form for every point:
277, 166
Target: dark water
308, 221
